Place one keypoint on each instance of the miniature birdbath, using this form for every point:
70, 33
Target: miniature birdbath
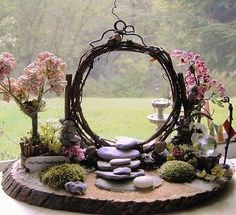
159, 118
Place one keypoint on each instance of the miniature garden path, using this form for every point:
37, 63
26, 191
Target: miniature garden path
170, 196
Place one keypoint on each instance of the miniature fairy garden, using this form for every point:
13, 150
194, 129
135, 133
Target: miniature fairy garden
69, 167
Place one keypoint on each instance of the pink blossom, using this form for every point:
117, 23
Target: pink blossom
189, 79
12, 87
199, 76
73, 152
218, 86
201, 91
32, 81
47, 69
46, 73
7, 64
176, 53
53, 69
184, 57
53, 66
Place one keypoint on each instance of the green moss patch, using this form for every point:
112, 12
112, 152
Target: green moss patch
177, 171
57, 176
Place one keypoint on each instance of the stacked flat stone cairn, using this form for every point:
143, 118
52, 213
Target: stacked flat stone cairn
69, 135
119, 166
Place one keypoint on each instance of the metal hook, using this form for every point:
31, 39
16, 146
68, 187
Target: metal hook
116, 26
130, 31
225, 99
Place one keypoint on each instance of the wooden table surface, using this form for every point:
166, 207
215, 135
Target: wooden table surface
224, 204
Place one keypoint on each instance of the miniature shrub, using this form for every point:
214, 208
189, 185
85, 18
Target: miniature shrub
57, 176
177, 171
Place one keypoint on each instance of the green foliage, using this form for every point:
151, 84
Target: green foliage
186, 150
28, 139
57, 176
189, 148
216, 172
177, 171
49, 135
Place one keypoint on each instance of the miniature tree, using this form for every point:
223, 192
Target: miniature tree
45, 74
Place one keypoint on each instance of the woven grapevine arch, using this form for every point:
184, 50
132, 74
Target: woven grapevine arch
115, 45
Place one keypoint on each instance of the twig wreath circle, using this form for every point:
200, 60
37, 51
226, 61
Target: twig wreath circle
115, 44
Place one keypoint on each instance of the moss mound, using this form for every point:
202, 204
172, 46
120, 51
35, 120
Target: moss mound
57, 176
177, 171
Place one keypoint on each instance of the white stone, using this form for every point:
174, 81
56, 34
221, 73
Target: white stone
38, 163
143, 182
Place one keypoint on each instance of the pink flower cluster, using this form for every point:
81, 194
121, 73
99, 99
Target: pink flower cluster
73, 152
7, 64
12, 85
32, 79
53, 69
46, 71
197, 73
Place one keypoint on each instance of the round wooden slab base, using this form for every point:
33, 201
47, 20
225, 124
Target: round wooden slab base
26, 187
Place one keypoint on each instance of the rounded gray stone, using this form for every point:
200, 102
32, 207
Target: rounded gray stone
68, 122
106, 166
126, 143
109, 153
125, 185
65, 142
72, 129
122, 171
76, 187
112, 176
120, 161
74, 138
105, 184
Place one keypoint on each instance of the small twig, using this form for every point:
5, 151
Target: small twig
230, 126
112, 11
9, 83
5, 135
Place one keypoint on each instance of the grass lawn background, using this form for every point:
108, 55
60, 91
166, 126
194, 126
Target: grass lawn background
108, 117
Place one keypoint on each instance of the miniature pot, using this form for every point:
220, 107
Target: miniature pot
28, 150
